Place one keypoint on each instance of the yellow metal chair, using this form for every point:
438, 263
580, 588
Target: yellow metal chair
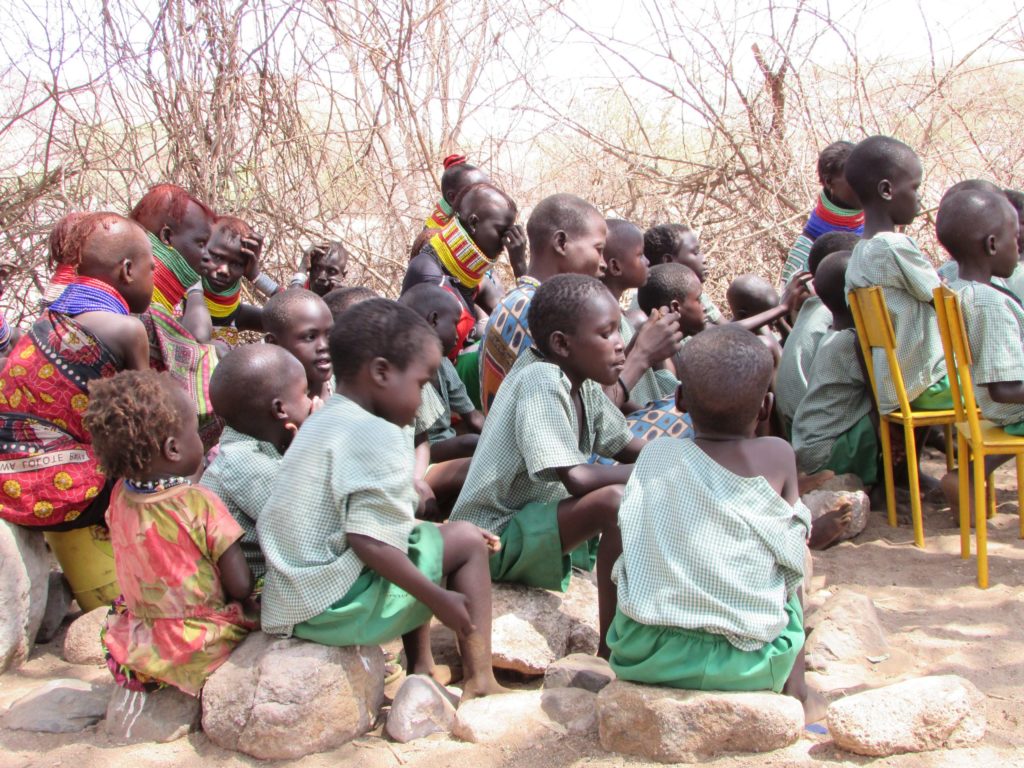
976, 438
875, 331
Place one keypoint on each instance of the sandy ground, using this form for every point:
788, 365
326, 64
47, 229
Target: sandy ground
938, 622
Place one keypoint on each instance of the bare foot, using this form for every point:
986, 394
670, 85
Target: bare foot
439, 673
814, 707
808, 483
950, 484
828, 528
475, 689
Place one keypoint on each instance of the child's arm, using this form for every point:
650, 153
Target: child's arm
1006, 391
451, 608
126, 337
795, 293
196, 317
458, 447
629, 454
427, 508
235, 575
474, 420
584, 478
656, 340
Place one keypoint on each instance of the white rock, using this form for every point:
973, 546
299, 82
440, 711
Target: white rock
821, 501
579, 670
59, 706
532, 627
82, 642
24, 577
161, 716
282, 698
940, 712
58, 599
670, 725
509, 718
421, 707
574, 708
845, 629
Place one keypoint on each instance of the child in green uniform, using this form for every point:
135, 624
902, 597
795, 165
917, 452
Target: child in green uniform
678, 244
979, 229
530, 481
885, 174
714, 537
347, 563
811, 324
834, 428
260, 392
300, 321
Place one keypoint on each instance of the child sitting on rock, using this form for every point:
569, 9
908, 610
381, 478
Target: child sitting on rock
530, 481
714, 537
53, 481
448, 453
179, 563
300, 321
260, 391
347, 563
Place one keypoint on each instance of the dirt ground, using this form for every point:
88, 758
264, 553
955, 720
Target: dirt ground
938, 622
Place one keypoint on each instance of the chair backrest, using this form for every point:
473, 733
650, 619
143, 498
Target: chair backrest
958, 357
875, 331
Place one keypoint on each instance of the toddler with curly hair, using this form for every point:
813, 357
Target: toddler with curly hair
179, 562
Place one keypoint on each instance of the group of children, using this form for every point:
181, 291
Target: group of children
380, 462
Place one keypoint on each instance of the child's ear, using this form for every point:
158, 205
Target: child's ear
614, 268
766, 407
277, 410
165, 235
470, 223
885, 189
680, 400
990, 245
558, 343
270, 338
125, 272
432, 318
169, 449
663, 258
675, 306
380, 371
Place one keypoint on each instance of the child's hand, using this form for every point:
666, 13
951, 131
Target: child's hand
251, 249
659, 337
452, 610
797, 291
514, 240
315, 404
493, 542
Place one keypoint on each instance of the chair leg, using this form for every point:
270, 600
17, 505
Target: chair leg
990, 495
948, 429
964, 483
914, 485
981, 520
1020, 492
890, 490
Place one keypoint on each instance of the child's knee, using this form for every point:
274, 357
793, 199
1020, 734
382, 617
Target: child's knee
606, 501
463, 536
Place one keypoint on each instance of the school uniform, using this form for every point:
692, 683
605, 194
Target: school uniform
653, 385
797, 355
451, 392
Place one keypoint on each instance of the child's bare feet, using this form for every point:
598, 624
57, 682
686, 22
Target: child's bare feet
476, 657
808, 483
814, 707
828, 528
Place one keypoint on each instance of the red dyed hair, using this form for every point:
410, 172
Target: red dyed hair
59, 235
168, 202
77, 236
454, 160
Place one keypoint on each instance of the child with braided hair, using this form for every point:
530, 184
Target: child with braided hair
179, 562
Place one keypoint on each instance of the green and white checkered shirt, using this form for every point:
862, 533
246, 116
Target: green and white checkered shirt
796, 259
242, 475
949, 271
654, 384
433, 411
994, 323
530, 432
705, 549
1015, 282
347, 471
797, 354
454, 398
838, 396
894, 262
711, 312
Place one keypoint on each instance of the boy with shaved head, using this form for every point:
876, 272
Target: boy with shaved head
260, 392
300, 321
87, 333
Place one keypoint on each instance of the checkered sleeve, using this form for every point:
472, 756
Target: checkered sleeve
379, 504
458, 398
545, 422
611, 432
431, 411
995, 338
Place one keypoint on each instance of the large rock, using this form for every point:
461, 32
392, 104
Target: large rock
59, 706
421, 707
82, 642
283, 698
848, 482
573, 708
912, 716
165, 715
822, 501
846, 629
675, 726
579, 670
535, 627
24, 576
58, 599
508, 718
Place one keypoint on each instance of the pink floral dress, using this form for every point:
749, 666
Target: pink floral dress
177, 626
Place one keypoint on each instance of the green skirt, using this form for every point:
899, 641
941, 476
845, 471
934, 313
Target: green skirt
938, 397
531, 550
467, 365
856, 451
374, 610
702, 661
